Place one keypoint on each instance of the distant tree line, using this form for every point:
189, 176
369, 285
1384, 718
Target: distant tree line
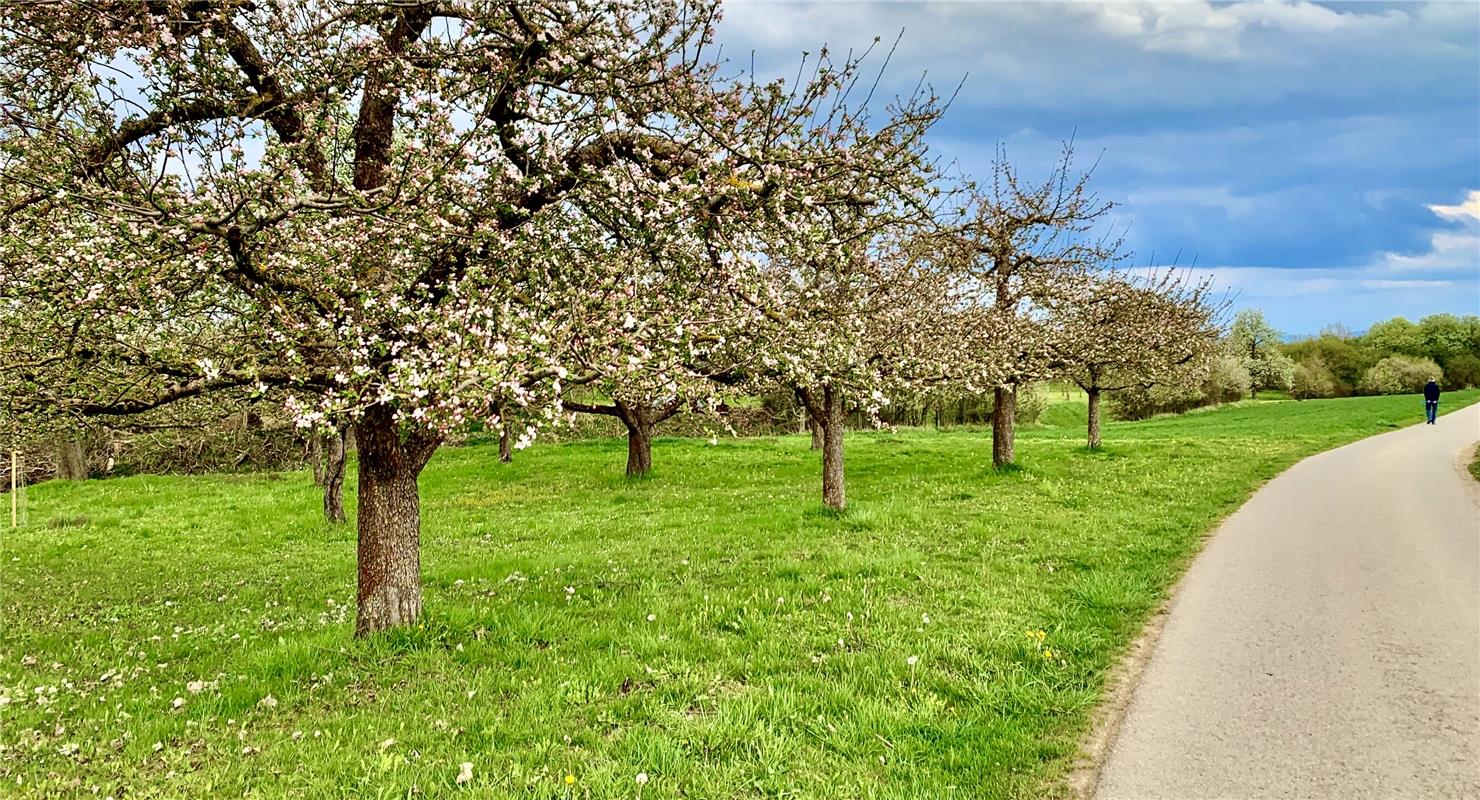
1395, 356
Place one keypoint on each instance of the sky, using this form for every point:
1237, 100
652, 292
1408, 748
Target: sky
1320, 160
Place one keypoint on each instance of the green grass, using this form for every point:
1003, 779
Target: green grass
711, 626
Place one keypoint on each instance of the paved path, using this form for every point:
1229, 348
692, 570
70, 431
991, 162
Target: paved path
1326, 644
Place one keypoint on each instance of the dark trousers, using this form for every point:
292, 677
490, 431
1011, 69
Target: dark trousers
1431, 409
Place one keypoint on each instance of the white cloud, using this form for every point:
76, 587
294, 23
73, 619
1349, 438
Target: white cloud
1467, 211
1449, 250
1202, 30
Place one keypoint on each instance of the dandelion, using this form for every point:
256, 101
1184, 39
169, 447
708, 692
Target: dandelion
570, 780
652, 617
912, 660
925, 618
642, 778
465, 772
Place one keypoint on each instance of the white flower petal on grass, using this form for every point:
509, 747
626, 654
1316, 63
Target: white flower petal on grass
387, 743
465, 772
268, 702
178, 702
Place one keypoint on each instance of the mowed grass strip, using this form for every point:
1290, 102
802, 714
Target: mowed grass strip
710, 627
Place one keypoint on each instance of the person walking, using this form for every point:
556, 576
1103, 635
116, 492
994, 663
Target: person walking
1431, 401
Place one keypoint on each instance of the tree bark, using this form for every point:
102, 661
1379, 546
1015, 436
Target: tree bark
816, 434
335, 455
1004, 425
316, 456
389, 520
826, 414
834, 494
71, 461
1094, 418
505, 446
639, 445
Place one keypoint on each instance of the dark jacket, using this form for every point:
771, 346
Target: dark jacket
1431, 392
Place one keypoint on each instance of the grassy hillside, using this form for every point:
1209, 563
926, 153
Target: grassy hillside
710, 627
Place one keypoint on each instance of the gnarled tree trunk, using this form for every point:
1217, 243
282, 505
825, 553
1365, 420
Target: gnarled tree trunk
1094, 418
389, 521
639, 443
1004, 425
641, 420
335, 455
505, 445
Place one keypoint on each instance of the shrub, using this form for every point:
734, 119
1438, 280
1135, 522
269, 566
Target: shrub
1031, 401
1462, 371
1312, 379
1227, 380
1221, 379
1400, 375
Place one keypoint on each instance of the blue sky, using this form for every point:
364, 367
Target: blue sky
1321, 160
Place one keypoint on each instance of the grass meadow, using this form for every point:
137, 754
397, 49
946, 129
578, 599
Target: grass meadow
709, 632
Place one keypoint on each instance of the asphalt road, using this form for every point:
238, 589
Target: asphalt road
1326, 643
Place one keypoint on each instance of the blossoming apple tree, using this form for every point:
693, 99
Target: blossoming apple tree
1024, 243
1119, 330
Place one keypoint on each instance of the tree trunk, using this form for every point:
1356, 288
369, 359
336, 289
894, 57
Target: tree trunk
834, 494
71, 461
816, 435
639, 445
1094, 418
1004, 425
333, 472
505, 446
316, 456
389, 522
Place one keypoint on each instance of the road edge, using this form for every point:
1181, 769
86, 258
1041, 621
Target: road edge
1083, 778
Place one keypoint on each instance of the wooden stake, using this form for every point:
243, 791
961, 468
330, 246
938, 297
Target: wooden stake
15, 519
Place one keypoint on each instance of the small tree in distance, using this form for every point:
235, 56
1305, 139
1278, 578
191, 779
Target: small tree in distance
1257, 344
1121, 331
